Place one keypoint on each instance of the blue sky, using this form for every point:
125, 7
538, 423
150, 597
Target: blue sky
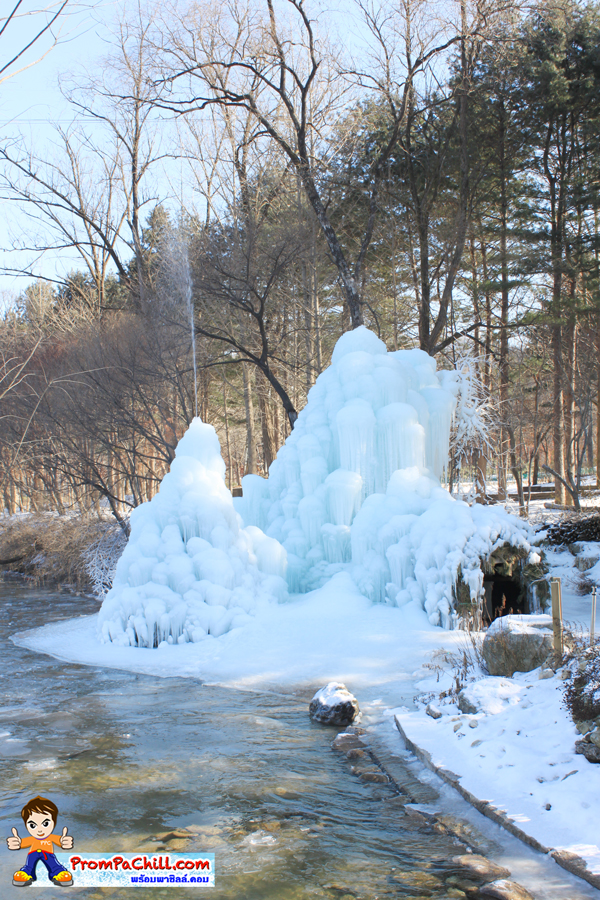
30, 100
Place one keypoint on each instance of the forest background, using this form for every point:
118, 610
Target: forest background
436, 177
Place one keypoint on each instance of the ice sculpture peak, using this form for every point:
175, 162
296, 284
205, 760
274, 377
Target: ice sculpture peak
200, 442
360, 339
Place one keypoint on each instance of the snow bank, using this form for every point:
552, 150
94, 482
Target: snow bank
518, 753
190, 569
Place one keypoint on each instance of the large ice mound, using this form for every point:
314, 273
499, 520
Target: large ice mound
356, 485
190, 568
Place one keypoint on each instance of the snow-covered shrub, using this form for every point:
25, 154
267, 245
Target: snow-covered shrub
101, 558
582, 689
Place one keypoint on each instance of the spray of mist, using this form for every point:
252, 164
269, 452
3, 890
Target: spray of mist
179, 280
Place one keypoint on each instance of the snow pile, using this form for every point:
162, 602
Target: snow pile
518, 753
190, 569
531, 624
356, 485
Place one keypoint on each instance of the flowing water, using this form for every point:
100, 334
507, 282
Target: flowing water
136, 762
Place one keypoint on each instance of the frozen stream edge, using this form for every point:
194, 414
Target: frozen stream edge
571, 862
537, 872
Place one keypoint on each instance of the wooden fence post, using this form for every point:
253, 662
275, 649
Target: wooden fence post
555, 591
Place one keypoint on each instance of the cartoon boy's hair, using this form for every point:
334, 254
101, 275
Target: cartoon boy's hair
39, 805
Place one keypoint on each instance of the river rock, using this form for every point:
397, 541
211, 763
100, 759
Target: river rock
467, 887
589, 750
504, 890
517, 644
356, 754
594, 737
466, 704
585, 726
346, 742
334, 705
355, 729
480, 867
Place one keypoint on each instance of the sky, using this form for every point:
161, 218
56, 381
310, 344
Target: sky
30, 100
31, 105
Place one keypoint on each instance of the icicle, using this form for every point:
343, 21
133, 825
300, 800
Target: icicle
356, 432
311, 511
313, 472
400, 441
343, 491
336, 543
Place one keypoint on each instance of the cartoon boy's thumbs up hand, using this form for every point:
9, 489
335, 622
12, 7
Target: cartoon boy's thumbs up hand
66, 840
14, 842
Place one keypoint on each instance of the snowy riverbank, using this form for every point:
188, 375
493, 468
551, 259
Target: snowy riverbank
517, 753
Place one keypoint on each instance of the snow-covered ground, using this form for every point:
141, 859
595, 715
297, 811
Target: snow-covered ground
518, 752
331, 634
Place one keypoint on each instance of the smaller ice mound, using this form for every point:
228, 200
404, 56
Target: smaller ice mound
416, 541
190, 569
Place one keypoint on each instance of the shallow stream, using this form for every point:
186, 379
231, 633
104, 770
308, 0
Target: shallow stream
136, 762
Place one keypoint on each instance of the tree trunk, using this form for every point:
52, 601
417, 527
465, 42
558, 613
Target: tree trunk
504, 308
250, 434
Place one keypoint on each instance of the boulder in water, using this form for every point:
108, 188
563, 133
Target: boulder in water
479, 867
504, 890
334, 705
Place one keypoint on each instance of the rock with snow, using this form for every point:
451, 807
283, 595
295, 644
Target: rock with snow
465, 704
589, 750
479, 867
490, 696
504, 890
334, 705
433, 711
517, 644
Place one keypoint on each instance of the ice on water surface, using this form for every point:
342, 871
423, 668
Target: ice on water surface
355, 487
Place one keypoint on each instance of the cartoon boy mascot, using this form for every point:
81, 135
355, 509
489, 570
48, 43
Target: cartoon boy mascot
40, 817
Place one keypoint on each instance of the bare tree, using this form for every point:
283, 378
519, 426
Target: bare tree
91, 196
270, 63
45, 21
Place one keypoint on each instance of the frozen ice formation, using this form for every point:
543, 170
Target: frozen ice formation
355, 487
190, 568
